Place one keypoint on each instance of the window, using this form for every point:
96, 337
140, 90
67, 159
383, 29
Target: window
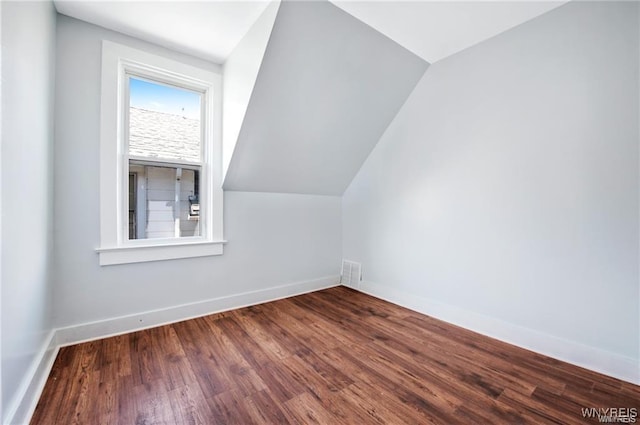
164, 152
160, 165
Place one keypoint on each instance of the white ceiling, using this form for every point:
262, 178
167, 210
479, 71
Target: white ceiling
434, 30
207, 29
211, 29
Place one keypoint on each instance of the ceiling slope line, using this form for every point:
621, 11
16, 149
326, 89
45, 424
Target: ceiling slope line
328, 87
241, 71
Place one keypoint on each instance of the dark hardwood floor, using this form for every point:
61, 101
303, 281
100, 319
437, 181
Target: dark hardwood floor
330, 357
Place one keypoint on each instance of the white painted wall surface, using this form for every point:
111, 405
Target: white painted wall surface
274, 239
507, 185
1, 138
328, 87
240, 73
28, 49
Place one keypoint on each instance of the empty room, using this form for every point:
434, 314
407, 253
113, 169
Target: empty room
319, 212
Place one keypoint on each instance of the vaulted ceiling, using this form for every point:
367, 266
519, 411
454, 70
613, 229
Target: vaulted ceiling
211, 29
434, 30
328, 87
310, 86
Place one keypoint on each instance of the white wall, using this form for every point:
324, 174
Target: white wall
328, 87
507, 186
240, 73
1, 138
28, 37
274, 239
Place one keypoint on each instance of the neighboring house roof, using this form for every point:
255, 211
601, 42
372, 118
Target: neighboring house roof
159, 135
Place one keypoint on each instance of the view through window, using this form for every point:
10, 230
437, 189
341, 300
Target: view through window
165, 159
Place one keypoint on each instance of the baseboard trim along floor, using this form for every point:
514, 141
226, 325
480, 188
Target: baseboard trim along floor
605, 362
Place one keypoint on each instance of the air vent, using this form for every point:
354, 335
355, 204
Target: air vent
351, 273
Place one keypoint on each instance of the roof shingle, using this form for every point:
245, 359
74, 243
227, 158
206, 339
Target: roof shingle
159, 135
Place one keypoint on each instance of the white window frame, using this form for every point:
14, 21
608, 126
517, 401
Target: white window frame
118, 62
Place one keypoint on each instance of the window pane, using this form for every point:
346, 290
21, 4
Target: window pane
156, 213
164, 121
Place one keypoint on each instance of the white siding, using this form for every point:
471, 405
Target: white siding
161, 202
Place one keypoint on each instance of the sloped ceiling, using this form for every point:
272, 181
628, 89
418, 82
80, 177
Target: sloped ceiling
434, 30
328, 87
211, 29
240, 73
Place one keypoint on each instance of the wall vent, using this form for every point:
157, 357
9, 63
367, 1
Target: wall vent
351, 274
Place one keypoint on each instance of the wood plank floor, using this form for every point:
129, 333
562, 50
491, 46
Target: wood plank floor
330, 357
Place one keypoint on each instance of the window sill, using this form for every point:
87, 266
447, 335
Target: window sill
158, 252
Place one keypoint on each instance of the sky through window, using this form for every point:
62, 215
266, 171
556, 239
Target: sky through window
160, 98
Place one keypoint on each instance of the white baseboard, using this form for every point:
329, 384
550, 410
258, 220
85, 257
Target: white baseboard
21, 410
598, 360
149, 319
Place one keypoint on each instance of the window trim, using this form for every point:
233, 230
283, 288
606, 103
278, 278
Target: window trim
118, 62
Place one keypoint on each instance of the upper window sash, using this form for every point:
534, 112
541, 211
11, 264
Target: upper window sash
148, 74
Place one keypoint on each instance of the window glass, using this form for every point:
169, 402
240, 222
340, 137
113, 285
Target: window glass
165, 136
157, 212
164, 121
